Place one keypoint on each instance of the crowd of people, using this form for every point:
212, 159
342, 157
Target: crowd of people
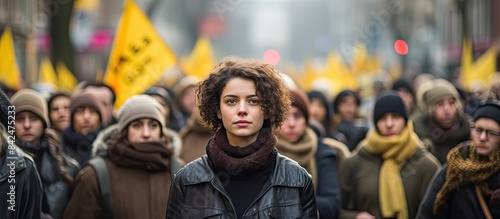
247, 143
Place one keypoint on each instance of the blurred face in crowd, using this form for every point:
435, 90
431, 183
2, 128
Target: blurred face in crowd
445, 111
29, 127
104, 95
347, 108
390, 124
85, 120
407, 98
240, 112
294, 126
485, 134
144, 130
59, 113
188, 99
317, 110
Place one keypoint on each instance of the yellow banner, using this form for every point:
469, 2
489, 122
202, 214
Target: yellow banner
67, 81
201, 60
9, 71
139, 56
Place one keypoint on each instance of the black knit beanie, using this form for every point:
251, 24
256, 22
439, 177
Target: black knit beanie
389, 102
488, 110
402, 84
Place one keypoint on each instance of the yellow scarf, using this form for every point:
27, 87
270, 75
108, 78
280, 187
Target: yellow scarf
395, 150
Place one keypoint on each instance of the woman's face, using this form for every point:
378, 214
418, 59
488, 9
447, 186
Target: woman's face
59, 113
390, 124
144, 130
240, 112
347, 108
317, 110
485, 136
294, 126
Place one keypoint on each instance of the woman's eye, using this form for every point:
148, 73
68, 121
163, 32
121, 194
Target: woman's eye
254, 102
231, 101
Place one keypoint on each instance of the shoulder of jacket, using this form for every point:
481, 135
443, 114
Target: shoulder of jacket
195, 171
424, 157
289, 173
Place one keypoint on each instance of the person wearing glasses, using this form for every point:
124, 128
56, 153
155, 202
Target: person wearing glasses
468, 186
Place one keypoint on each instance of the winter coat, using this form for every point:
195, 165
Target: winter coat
20, 185
350, 134
328, 189
194, 138
136, 193
56, 189
359, 180
198, 193
438, 142
325, 172
462, 203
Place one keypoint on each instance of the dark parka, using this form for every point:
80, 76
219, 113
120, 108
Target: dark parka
359, 180
196, 192
462, 203
328, 189
24, 188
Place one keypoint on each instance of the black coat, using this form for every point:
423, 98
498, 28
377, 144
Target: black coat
20, 186
328, 189
461, 203
196, 192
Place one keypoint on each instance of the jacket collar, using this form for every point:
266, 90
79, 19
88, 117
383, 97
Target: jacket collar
15, 160
201, 171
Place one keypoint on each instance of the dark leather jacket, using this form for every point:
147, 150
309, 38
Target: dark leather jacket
196, 192
20, 186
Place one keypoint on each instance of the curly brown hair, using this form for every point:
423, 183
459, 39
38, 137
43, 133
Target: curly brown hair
274, 96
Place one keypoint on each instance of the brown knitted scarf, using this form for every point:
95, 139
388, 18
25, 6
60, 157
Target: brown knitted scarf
240, 160
302, 152
153, 156
474, 169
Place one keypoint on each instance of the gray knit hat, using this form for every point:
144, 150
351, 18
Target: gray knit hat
138, 107
31, 101
440, 88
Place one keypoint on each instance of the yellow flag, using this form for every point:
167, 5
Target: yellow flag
484, 67
480, 70
139, 56
67, 80
201, 60
466, 74
9, 71
47, 73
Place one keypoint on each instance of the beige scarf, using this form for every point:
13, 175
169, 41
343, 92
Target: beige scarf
395, 150
302, 151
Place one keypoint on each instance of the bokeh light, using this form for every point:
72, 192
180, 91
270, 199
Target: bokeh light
272, 56
401, 47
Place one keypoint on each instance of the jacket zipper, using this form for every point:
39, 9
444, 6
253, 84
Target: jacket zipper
225, 195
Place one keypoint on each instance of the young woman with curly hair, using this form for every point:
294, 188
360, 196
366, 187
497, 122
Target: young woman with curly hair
242, 174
